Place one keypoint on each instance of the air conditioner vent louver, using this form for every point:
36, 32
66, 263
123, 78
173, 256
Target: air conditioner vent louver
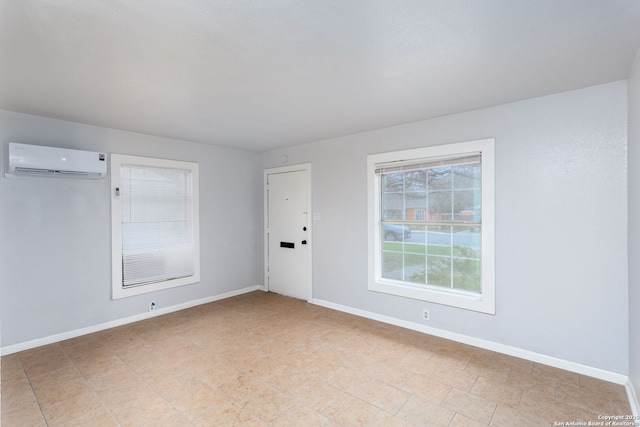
35, 160
32, 171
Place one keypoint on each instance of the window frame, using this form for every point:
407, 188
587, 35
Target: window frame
483, 302
117, 161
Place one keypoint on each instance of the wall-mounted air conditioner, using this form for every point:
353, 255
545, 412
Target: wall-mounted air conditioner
36, 160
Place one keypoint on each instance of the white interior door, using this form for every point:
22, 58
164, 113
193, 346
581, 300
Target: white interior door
287, 224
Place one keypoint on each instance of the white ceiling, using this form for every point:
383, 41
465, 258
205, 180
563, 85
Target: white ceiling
260, 74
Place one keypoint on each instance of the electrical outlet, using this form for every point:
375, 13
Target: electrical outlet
425, 314
152, 305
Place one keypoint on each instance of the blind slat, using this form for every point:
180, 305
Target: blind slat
157, 229
429, 163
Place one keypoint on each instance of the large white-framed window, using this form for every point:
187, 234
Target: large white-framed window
431, 224
155, 224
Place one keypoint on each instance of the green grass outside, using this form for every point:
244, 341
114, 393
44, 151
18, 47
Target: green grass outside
416, 248
466, 269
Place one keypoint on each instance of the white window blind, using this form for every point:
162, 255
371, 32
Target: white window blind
155, 224
157, 228
427, 163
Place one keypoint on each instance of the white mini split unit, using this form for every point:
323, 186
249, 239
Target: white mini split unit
36, 160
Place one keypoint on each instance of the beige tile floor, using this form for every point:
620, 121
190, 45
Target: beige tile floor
261, 359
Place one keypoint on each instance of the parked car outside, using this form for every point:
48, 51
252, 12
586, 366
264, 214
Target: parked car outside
391, 232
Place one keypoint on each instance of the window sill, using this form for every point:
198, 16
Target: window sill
122, 292
469, 301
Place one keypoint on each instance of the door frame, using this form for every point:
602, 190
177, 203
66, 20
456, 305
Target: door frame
306, 167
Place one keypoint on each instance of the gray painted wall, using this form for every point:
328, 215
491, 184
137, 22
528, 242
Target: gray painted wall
634, 225
561, 234
55, 256
561, 215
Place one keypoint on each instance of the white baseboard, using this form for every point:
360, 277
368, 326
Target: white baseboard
119, 322
486, 344
633, 399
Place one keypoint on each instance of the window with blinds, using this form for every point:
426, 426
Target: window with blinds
438, 206
155, 224
431, 224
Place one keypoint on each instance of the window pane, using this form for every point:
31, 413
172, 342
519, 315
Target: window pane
466, 274
415, 242
466, 242
466, 262
415, 180
466, 176
393, 196
440, 205
395, 233
439, 271
466, 205
414, 268
392, 206
438, 239
392, 265
440, 178
393, 182
413, 202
